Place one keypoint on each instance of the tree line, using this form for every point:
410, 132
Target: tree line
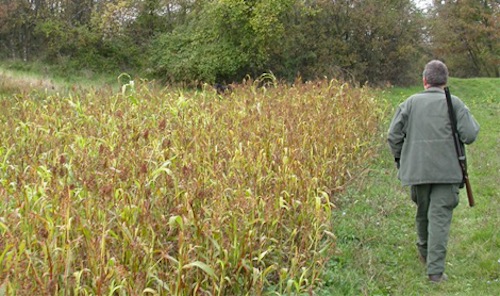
367, 41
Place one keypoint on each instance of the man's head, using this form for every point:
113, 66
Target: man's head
435, 74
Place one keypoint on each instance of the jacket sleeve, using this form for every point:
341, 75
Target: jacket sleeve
397, 131
467, 126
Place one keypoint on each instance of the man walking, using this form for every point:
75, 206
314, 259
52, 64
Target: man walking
421, 141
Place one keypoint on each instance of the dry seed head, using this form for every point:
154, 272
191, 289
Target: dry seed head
106, 189
144, 168
162, 124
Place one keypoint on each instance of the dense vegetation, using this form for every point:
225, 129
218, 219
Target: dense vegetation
176, 192
195, 41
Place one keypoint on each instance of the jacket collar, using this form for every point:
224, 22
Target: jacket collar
434, 89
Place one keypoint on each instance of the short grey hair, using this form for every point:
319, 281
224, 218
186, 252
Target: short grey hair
436, 73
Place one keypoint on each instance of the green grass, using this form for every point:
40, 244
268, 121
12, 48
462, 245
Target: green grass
374, 221
20, 77
61, 74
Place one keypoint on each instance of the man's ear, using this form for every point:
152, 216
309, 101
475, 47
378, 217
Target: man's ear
424, 81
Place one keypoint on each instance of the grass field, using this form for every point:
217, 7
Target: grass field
375, 219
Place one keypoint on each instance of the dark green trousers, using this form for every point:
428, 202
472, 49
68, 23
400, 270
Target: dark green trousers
435, 204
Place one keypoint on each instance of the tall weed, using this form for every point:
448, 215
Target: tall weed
176, 191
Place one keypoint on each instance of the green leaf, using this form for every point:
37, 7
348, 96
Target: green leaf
207, 269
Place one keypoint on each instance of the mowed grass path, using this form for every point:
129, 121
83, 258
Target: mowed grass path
375, 219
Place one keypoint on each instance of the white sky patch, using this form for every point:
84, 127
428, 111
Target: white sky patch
422, 4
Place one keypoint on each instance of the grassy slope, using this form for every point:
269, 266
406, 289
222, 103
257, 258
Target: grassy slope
23, 78
375, 218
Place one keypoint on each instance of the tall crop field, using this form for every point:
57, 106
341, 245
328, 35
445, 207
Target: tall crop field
175, 192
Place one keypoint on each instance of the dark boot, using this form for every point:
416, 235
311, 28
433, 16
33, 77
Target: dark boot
438, 278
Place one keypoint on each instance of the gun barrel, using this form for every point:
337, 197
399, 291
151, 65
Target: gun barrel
458, 146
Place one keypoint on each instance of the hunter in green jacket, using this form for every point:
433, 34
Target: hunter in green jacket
421, 141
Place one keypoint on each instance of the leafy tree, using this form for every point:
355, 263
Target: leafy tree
16, 33
466, 34
195, 51
387, 37
221, 41
349, 39
7, 10
206, 40
230, 38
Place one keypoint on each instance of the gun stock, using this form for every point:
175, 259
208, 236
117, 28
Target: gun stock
469, 192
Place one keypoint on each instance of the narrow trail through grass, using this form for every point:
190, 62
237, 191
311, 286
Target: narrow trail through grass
375, 218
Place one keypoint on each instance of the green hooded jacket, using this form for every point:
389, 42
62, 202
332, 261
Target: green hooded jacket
420, 136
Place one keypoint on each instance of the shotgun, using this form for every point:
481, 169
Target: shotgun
458, 147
